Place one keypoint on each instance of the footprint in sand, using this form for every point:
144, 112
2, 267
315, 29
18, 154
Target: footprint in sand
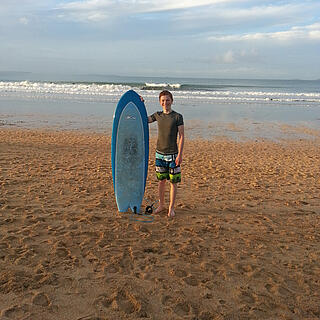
126, 300
61, 252
111, 268
121, 263
4, 246
246, 297
41, 299
284, 292
279, 290
269, 287
191, 280
15, 281
17, 312
206, 315
182, 308
102, 301
245, 268
180, 273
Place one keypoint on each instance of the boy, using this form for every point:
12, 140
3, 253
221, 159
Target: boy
169, 152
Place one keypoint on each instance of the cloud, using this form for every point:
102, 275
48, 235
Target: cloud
227, 57
240, 21
24, 20
237, 56
141, 5
239, 12
99, 10
20, 13
231, 57
309, 32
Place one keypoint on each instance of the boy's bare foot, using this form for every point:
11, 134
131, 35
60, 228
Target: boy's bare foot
159, 209
171, 213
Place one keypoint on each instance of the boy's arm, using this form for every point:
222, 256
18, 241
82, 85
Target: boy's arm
180, 145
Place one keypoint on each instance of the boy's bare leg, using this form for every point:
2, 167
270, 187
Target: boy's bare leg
173, 194
161, 190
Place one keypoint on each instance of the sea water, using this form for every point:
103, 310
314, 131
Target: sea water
234, 108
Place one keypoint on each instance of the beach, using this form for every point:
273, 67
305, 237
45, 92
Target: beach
244, 243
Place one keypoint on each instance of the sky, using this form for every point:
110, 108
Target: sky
166, 38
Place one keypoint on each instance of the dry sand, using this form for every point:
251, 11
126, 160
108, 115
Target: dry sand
244, 244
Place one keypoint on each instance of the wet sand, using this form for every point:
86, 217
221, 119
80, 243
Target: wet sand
244, 244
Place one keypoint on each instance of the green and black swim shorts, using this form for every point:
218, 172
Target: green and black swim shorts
166, 167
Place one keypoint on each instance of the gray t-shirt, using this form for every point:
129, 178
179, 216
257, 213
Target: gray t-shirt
167, 131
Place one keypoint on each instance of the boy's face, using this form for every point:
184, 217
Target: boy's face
166, 102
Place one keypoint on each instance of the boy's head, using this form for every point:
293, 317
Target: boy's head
165, 93
166, 99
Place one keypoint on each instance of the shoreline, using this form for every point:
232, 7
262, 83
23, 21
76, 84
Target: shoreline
244, 242
243, 130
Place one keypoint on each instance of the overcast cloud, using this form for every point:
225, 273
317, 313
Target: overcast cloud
202, 38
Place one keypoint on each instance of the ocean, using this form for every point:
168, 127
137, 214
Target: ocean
236, 108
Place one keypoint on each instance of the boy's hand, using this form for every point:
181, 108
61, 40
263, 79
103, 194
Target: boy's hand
178, 160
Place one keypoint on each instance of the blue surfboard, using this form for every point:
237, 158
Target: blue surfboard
130, 151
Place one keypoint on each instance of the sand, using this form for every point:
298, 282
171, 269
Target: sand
244, 244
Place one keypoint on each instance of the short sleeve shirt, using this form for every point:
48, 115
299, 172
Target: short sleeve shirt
167, 131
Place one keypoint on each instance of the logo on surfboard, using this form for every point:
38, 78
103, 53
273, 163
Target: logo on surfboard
129, 117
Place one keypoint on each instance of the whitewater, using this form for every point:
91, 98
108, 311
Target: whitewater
234, 108
111, 90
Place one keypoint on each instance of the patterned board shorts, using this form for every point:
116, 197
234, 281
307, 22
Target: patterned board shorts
166, 167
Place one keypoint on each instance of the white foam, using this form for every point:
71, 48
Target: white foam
114, 91
163, 85
253, 96
62, 88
